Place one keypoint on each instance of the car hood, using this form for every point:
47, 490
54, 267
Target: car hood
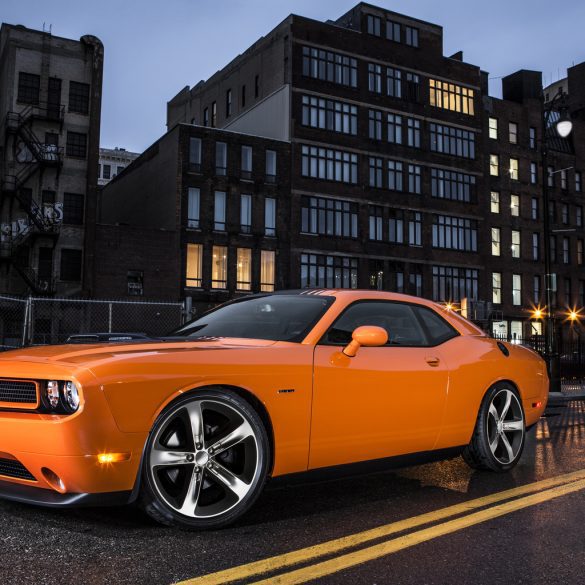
78, 354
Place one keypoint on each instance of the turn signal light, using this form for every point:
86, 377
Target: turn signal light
106, 458
537, 404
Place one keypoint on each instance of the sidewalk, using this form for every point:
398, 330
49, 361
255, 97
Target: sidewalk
569, 392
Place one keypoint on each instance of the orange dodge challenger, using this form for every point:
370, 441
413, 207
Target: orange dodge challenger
192, 425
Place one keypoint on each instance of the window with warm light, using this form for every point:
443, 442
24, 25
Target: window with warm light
267, 270
219, 267
515, 205
516, 289
496, 241
496, 287
494, 165
514, 164
450, 96
515, 244
495, 202
244, 269
194, 265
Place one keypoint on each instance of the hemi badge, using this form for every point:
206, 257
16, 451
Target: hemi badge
286, 391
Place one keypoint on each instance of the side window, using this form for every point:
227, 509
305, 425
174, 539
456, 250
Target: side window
398, 319
437, 329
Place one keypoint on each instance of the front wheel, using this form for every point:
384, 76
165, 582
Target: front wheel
206, 461
500, 430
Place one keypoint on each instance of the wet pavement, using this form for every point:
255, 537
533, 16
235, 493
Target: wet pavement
543, 543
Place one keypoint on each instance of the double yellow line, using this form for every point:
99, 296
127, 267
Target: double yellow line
495, 505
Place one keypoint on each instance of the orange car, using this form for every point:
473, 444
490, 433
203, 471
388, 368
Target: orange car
191, 426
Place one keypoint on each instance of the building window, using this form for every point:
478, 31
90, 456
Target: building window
193, 207
376, 222
579, 216
246, 162
244, 269
206, 117
415, 281
411, 36
452, 185
329, 66
494, 165
329, 164
394, 128
396, 226
329, 217
246, 213
213, 114
565, 213
514, 169
496, 288
78, 97
413, 132
577, 181
194, 265
375, 172
374, 25
534, 208
267, 270
76, 144
318, 270
450, 96
567, 289
564, 179
566, 251
513, 132
414, 179
393, 82
493, 128
495, 202
29, 86
515, 247
219, 267
393, 31
375, 124
195, 154
220, 158
219, 211
535, 247
454, 233
375, 78
45, 263
515, 205
270, 216
107, 174
536, 287
453, 284
73, 204
395, 182
516, 289
412, 87
533, 173
496, 241
580, 252
119, 169
415, 229
270, 166
553, 248
71, 265
228, 103
532, 138
257, 83
135, 283
243, 96
453, 141
329, 115
550, 176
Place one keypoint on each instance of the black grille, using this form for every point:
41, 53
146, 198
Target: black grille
18, 392
12, 468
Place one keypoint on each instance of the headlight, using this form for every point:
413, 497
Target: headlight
52, 394
71, 396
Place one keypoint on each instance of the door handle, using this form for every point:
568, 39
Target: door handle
433, 361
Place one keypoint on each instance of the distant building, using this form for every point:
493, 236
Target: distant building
50, 104
112, 162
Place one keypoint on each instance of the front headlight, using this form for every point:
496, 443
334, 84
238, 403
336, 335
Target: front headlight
60, 397
71, 396
52, 394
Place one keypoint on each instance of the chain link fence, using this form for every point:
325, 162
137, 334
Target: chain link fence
42, 321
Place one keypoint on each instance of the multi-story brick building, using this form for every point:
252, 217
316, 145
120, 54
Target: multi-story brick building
50, 104
112, 162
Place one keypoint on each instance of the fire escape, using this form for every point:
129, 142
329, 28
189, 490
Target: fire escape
31, 156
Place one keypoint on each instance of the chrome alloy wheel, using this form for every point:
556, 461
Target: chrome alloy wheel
505, 426
204, 458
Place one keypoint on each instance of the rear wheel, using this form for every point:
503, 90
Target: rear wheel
500, 430
206, 461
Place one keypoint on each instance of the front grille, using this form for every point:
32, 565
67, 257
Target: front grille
18, 392
13, 468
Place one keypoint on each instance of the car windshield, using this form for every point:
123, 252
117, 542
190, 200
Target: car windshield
272, 317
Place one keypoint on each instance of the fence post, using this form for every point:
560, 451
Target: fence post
26, 324
109, 317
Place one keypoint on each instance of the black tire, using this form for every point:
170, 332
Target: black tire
507, 433
173, 435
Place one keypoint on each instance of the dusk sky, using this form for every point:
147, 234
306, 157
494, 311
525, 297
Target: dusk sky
153, 48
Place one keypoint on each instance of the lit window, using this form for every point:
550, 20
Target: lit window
515, 205
496, 241
513, 132
515, 244
194, 265
495, 202
516, 289
493, 128
494, 165
267, 270
219, 267
244, 269
193, 207
450, 96
514, 169
496, 287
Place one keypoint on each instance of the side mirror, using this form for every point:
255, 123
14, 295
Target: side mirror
368, 336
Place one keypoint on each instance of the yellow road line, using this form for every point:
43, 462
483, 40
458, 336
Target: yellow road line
385, 548
339, 544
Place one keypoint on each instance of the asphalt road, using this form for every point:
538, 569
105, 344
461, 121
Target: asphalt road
537, 537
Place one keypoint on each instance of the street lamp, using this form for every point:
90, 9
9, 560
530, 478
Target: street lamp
563, 127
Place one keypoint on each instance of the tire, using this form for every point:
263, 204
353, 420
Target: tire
500, 431
206, 461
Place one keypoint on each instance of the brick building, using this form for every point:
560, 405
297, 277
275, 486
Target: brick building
50, 106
